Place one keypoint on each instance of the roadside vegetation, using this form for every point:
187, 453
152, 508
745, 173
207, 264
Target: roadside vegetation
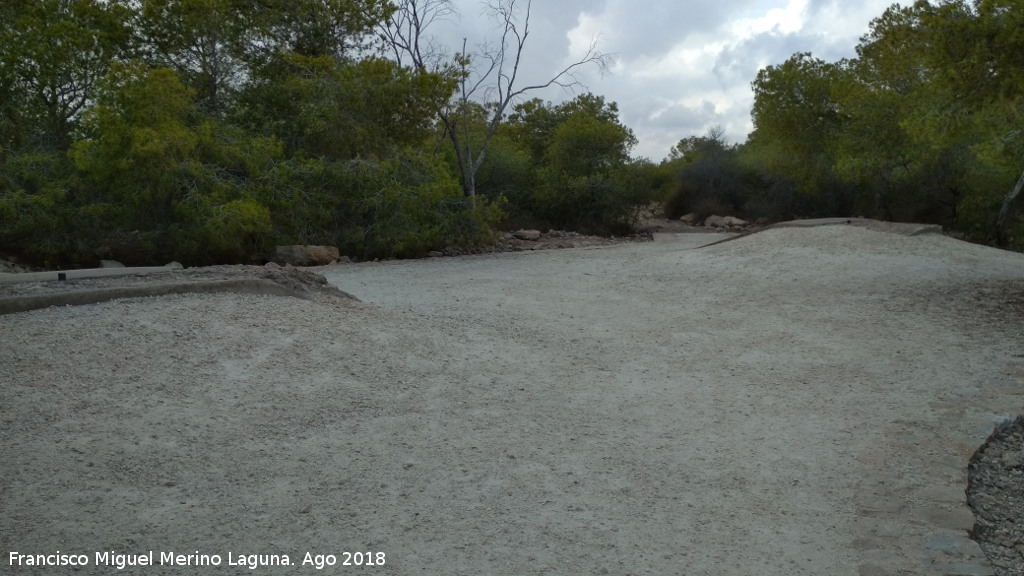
209, 131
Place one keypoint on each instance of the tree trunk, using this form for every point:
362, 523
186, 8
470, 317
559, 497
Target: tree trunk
1004, 210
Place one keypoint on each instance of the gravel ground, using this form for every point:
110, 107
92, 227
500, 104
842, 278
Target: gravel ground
798, 401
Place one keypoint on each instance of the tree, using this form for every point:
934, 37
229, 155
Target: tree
202, 41
797, 120
342, 110
978, 92
585, 179
709, 177
495, 80
52, 54
873, 93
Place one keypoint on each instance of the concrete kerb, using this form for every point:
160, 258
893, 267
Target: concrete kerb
13, 304
55, 275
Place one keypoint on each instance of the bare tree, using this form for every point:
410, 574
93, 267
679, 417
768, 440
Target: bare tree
405, 32
494, 81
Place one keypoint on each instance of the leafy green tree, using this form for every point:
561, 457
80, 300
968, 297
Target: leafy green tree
152, 163
707, 176
343, 29
978, 90
586, 180
52, 54
342, 110
203, 40
797, 120
873, 93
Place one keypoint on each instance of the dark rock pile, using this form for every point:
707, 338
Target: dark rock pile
996, 494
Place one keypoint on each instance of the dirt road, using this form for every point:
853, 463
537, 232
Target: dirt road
799, 401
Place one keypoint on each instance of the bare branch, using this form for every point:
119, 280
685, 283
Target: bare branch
498, 72
405, 31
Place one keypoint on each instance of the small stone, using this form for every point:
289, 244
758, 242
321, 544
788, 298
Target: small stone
1013, 459
110, 264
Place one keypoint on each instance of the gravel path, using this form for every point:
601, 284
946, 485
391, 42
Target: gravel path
799, 401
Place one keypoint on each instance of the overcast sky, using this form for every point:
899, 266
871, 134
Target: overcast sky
679, 66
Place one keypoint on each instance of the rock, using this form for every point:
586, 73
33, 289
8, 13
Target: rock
110, 264
174, 266
527, 234
714, 222
305, 255
724, 222
435, 254
1013, 459
690, 219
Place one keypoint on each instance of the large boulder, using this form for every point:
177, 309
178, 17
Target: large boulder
305, 255
690, 219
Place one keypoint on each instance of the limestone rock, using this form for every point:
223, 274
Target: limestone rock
714, 222
724, 222
690, 219
527, 234
110, 264
305, 255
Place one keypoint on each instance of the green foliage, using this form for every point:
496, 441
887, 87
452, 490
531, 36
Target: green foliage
796, 120
583, 178
402, 207
927, 123
208, 131
296, 99
162, 168
33, 210
52, 54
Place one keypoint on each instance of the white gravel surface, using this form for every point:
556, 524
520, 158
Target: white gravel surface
798, 401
